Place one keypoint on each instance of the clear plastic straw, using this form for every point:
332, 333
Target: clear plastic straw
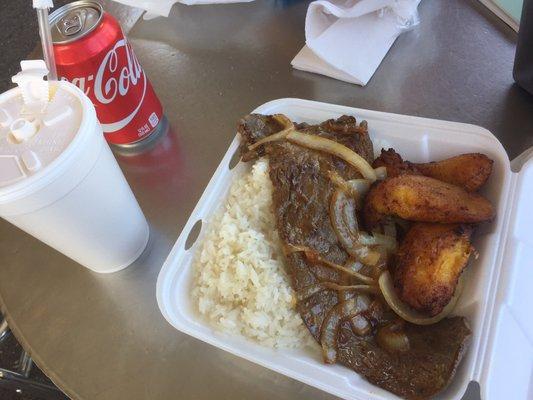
46, 41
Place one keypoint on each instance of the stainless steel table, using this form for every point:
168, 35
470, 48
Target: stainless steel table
102, 337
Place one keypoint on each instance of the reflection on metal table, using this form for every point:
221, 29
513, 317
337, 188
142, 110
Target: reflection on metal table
102, 336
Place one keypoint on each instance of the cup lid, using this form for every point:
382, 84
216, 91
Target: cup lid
38, 121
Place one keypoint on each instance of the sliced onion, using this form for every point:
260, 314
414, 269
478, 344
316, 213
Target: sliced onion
354, 265
367, 270
319, 143
343, 215
272, 138
332, 147
293, 248
330, 326
359, 187
329, 331
310, 290
355, 288
355, 188
392, 338
344, 222
338, 180
284, 121
377, 239
369, 256
407, 313
381, 173
314, 257
287, 127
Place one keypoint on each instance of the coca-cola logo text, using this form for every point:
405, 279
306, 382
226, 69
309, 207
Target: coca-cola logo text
118, 73
113, 76
122, 76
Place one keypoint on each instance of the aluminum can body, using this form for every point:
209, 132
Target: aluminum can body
92, 52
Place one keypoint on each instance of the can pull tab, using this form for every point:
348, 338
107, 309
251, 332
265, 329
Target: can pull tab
35, 90
72, 23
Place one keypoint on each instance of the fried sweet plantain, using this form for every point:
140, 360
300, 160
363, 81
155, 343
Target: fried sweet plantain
424, 199
469, 171
428, 264
395, 164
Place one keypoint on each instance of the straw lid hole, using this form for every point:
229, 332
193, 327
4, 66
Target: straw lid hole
23, 129
18, 124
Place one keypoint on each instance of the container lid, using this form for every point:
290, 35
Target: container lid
74, 21
38, 121
506, 371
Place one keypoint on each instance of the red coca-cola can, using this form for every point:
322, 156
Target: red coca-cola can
92, 52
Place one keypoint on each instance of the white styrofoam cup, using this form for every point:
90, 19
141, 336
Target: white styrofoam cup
79, 203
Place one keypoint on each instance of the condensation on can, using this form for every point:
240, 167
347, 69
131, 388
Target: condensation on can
92, 52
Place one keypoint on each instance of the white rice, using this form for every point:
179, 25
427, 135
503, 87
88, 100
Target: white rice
240, 285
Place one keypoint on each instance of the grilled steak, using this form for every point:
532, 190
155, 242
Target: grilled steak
301, 197
419, 373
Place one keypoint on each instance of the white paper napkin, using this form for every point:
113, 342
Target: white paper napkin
348, 39
156, 8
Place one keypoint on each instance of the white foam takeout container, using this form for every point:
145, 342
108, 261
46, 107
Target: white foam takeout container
498, 293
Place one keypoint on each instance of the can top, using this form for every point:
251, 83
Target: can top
38, 121
74, 20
